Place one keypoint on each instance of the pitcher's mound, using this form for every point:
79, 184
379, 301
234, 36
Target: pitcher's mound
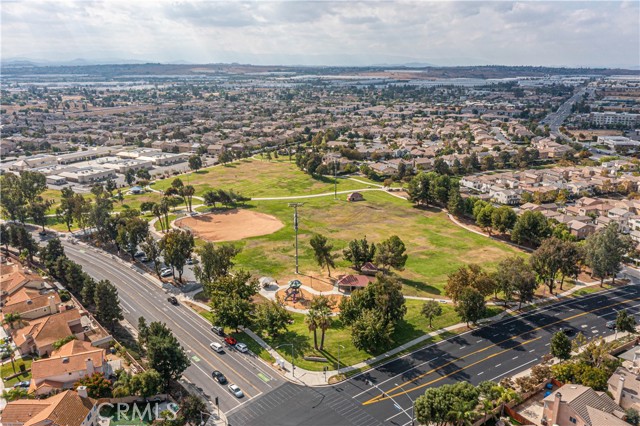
230, 225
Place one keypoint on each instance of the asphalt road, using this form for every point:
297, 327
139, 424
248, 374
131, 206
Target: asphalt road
384, 395
140, 297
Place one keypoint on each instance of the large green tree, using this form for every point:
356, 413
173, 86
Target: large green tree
216, 261
177, 246
419, 189
447, 405
272, 318
322, 252
530, 228
390, 253
515, 276
547, 261
560, 346
165, 354
359, 252
605, 250
108, 309
371, 332
471, 305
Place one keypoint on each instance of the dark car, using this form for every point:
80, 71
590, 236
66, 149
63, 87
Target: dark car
219, 377
568, 331
218, 330
611, 325
172, 300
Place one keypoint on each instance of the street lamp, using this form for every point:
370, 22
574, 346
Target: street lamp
413, 408
339, 346
293, 367
295, 227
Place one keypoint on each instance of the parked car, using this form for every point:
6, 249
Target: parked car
242, 347
218, 330
219, 377
611, 325
143, 258
24, 384
166, 273
189, 261
172, 300
139, 254
230, 341
216, 347
236, 390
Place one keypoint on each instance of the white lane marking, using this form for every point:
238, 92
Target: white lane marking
480, 373
515, 357
513, 369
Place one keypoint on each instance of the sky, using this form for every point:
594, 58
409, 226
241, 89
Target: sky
558, 33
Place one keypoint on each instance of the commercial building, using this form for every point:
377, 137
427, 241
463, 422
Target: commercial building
87, 174
613, 118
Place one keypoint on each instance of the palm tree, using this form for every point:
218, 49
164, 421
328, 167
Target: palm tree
312, 323
10, 318
461, 414
12, 355
506, 396
187, 192
324, 321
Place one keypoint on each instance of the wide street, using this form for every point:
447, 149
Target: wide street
141, 297
384, 395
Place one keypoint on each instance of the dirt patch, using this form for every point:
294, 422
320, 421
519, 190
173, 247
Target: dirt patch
305, 301
230, 225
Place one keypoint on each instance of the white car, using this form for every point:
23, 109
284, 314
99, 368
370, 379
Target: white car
241, 347
236, 390
166, 273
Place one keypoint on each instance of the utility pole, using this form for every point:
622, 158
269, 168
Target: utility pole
335, 180
295, 227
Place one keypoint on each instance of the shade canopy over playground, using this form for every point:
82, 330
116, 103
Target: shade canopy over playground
295, 284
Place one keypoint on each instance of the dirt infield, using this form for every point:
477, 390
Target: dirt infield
230, 225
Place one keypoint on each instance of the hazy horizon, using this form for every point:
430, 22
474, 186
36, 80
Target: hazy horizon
324, 33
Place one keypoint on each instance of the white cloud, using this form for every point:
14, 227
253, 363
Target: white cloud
572, 33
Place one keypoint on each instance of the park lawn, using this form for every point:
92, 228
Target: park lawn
412, 326
133, 201
53, 195
257, 178
435, 246
7, 370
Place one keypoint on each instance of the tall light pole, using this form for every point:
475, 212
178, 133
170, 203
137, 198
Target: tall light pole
339, 346
335, 180
413, 407
295, 227
293, 367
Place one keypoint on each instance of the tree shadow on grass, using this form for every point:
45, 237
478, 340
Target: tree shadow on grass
421, 286
201, 172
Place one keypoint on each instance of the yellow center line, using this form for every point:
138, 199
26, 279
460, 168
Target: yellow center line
389, 395
380, 398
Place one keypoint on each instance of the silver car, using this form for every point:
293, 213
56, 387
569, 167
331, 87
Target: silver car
236, 390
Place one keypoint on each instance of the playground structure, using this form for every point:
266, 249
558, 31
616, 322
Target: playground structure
293, 293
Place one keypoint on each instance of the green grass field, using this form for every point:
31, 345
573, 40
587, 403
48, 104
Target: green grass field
258, 178
7, 370
435, 245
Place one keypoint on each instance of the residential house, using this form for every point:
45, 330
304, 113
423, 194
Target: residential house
577, 405
39, 335
65, 366
13, 278
31, 304
69, 408
625, 388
